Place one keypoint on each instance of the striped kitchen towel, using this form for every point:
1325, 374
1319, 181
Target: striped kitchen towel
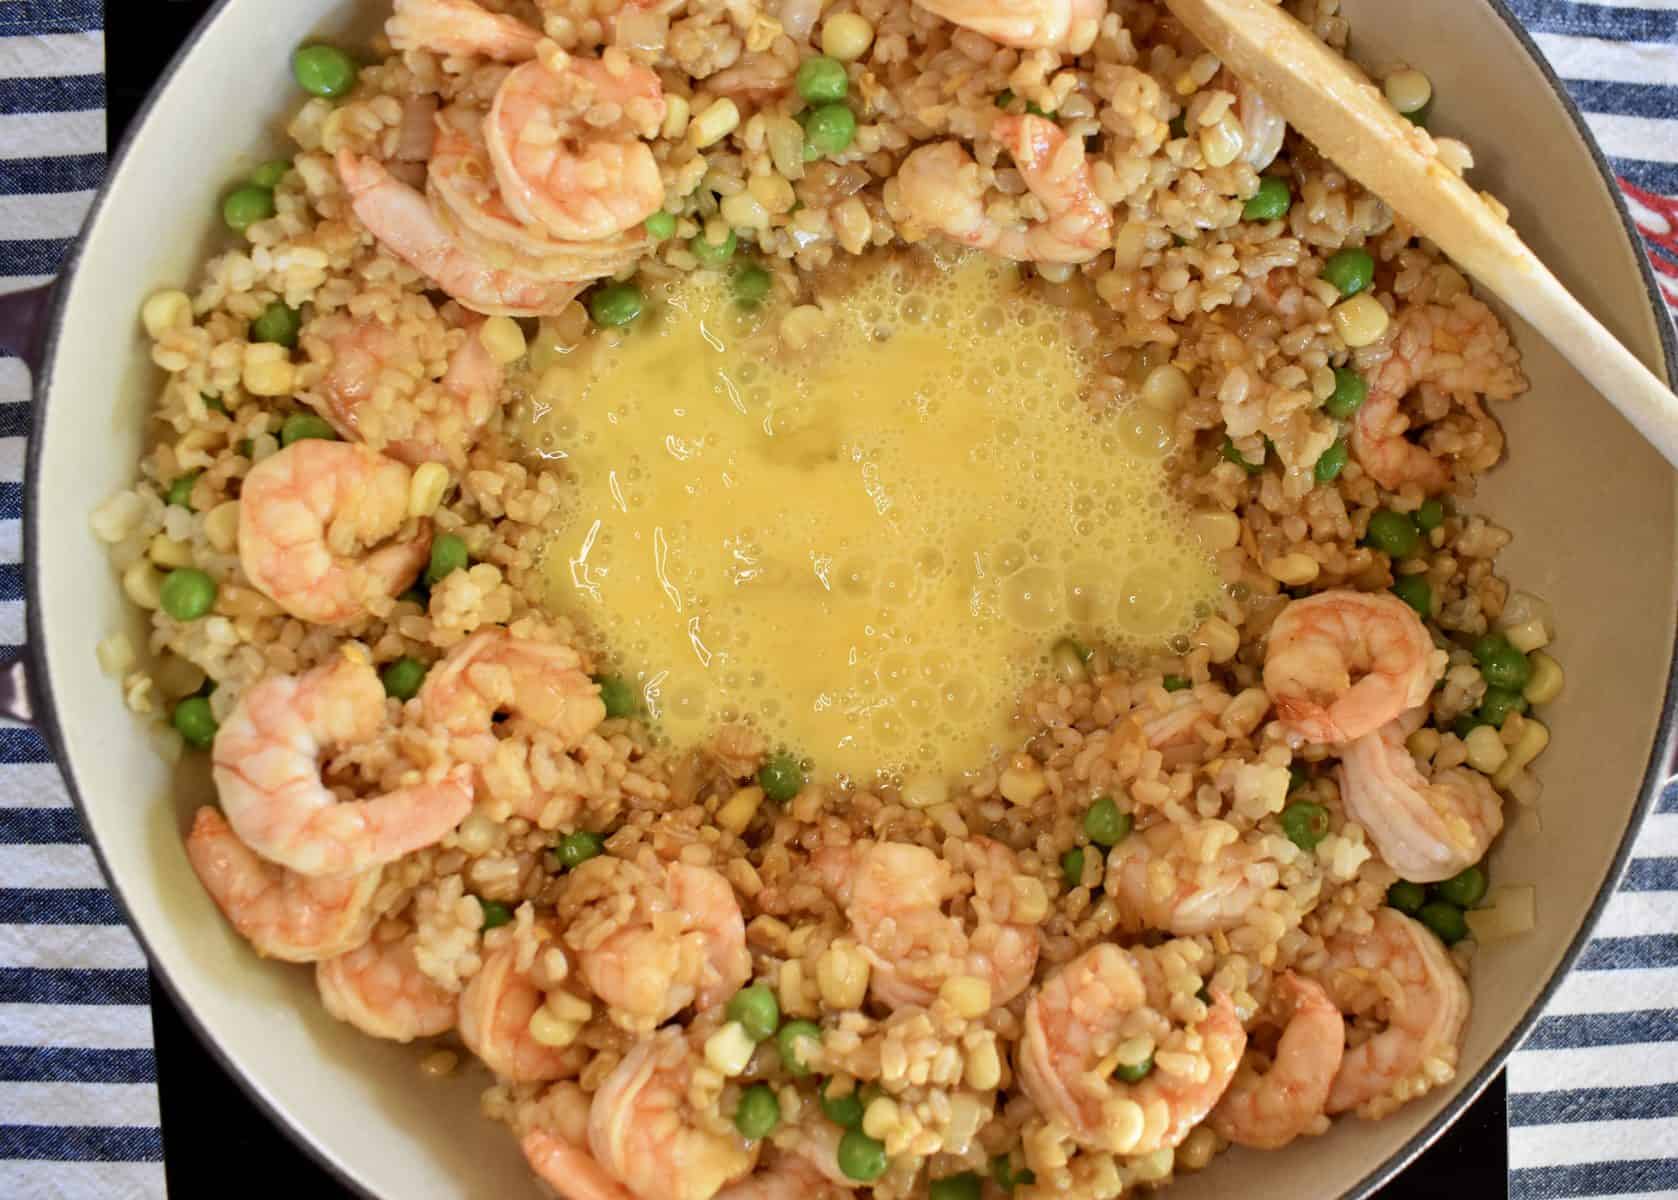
78, 1081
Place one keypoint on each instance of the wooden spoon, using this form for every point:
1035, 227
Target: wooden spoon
1333, 105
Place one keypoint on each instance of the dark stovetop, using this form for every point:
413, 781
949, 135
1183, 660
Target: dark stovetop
209, 1126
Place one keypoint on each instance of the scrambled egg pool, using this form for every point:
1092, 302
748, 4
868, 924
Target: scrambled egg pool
866, 548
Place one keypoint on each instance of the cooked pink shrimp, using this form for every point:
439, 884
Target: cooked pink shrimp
307, 516
1212, 883
1398, 973
555, 1145
492, 672
1460, 347
1341, 664
1268, 1108
284, 915
460, 29
1425, 829
404, 224
559, 172
1096, 1003
795, 1176
642, 1131
939, 185
494, 1015
379, 988
266, 763
654, 938
1069, 26
895, 895
417, 421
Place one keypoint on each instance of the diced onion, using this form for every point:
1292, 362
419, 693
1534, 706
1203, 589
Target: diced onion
1510, 911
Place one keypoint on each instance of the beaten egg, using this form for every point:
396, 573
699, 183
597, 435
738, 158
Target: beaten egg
865, 547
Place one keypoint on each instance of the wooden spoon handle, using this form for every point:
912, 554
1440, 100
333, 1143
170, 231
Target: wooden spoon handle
1345, 117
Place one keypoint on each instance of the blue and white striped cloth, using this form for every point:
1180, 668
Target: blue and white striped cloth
78, 1080
1593, 1098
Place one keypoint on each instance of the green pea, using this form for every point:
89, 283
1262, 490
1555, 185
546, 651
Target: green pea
245, 447
861, 1157
830, 129
1465, 889
303, 426
180, 492
1174, 683
1420, 117
844, 1111
577, 848
1298, 777
787, 1038
448, 555
1467, 723
1350, 391
821, 80
758, 1112
617, 695
781, 777
1498, 703
1445, 920
323, 71
1392, 533
1229, 452
247, 205
1006, 1177
1305, 823
1407, 897
415, 595
756, 1010
1331, 462
751, 283
1502, 665
1105, 824
269, 174
1004, 98
1271, 202
194, 721
615, 304
496, 914
278, 324
1134, 1072
1072, 866
1430, 516
214, 404
965, 1186
1415, 591
402, 678
188, 593
1179, 126
1350, 270
711, 254
661, 225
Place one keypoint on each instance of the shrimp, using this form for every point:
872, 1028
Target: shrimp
1398, 972
1460, 347
266, 764
1267, 1109
554, 1142
1187, 879
1068, 26
1425, 829
894, 895
558, 169
1317, 645
789, 1177
492, 672
494, 1013
305, 515
460, 29
412, 420
654, 938
1089, 1008
284, 915
379, 988
403, 223
642, 1130
940, 187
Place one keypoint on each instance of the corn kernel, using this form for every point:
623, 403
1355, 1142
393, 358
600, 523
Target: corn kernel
729, 1049
1294, 569
1534, 738
142, 583
1546, 681
1021, 784
740, 808
743, 211
1423, 744
165, 551
503, 338
1486, 751
267, 370
221, 526
983, 1066
552, 1031
881, 1118
1166, 388
967, 995
1528, 636
1216, 530
426, 487
847, 36
842, 975
1222, 142
1220, 639
719, 119
1360, 321
569, 1007
164, 311
1198, 1149
1408, 91
677, 110
773, 192
1031, 900
925, 791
